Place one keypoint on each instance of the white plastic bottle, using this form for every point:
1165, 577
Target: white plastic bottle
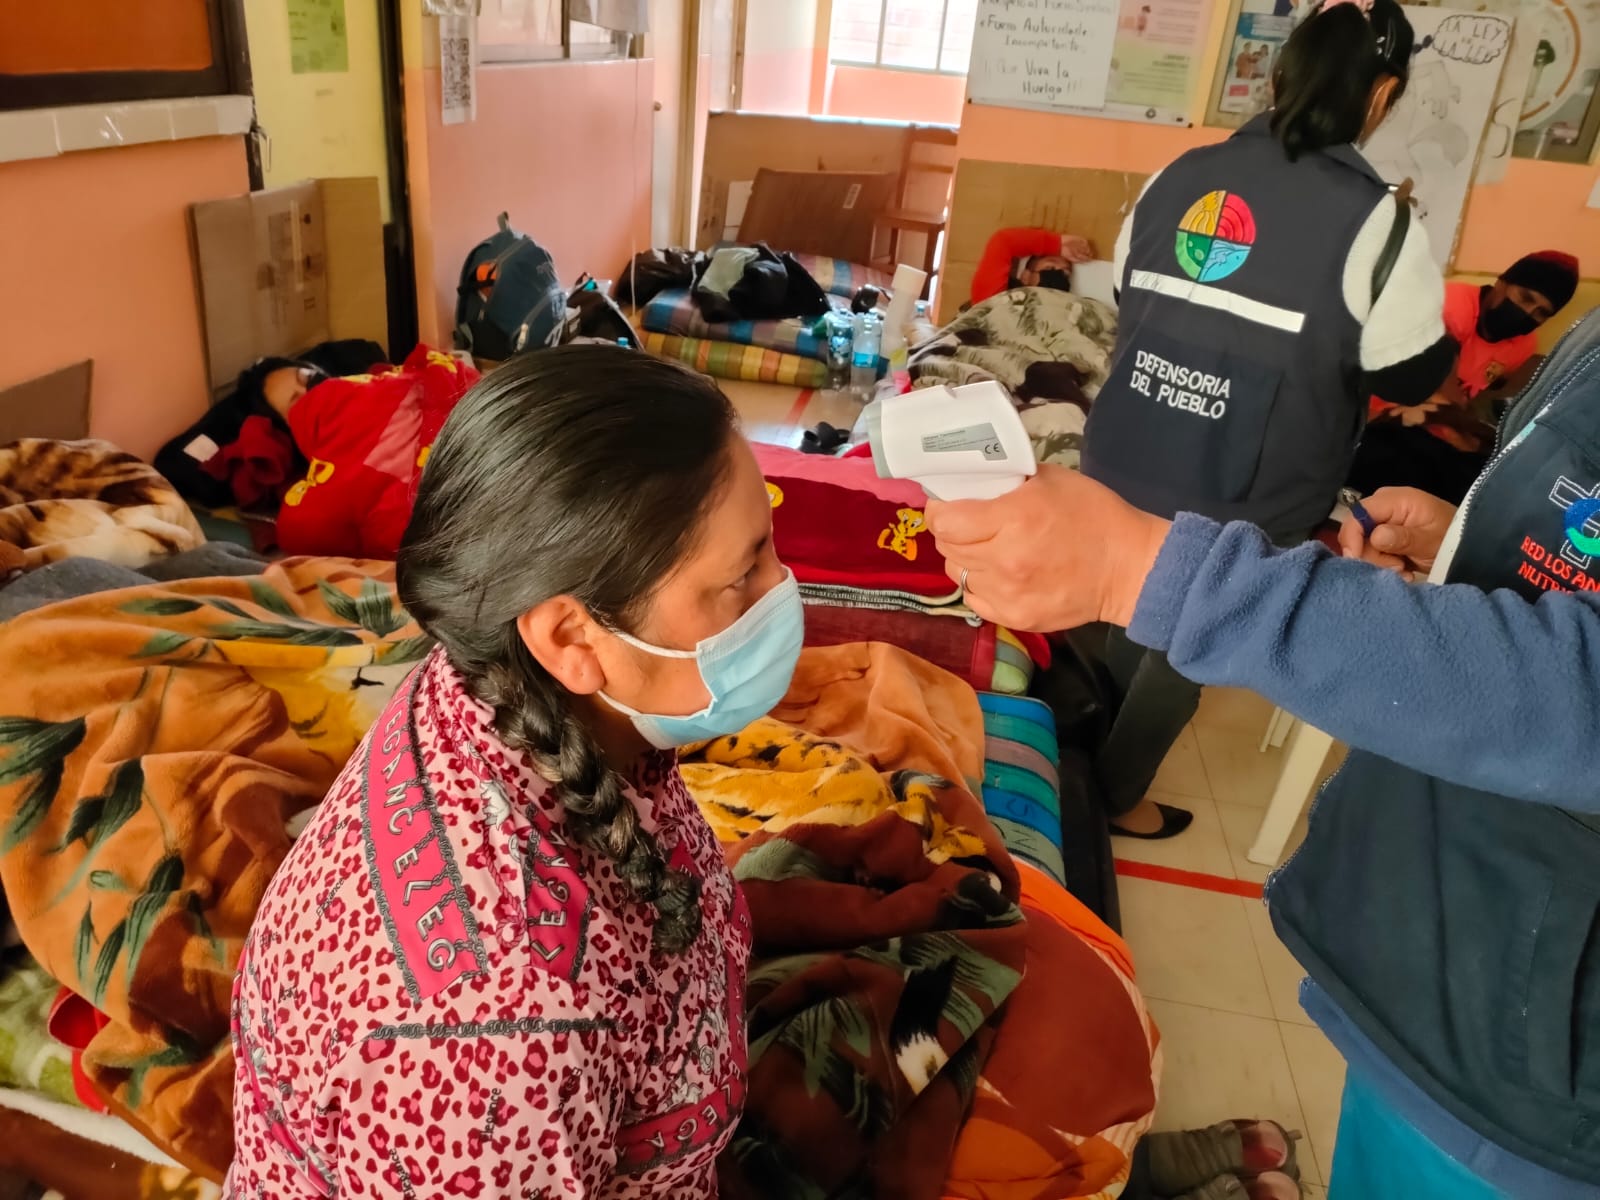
864, 357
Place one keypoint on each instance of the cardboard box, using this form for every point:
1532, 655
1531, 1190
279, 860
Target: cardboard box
738, 144
283, 269
817, 212
991, 196
52, 406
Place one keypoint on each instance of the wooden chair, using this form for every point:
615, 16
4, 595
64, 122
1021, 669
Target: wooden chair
927, 172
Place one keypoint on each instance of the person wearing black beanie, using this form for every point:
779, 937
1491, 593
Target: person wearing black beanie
1441, 446
1496, 325
1535, 288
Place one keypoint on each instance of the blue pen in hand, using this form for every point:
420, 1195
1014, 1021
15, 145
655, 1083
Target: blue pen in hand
1363, 517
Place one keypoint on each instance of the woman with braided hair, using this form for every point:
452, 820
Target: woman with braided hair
506, 957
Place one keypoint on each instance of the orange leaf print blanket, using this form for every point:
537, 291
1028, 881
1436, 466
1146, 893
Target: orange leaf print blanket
153, 745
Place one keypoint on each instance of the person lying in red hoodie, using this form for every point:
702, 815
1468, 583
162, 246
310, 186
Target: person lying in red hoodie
1027, 258
366, 438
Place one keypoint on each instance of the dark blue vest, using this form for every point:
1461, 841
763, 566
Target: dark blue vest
1458, 929
1236, 387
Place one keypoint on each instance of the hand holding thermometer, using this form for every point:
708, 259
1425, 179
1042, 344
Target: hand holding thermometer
964, 443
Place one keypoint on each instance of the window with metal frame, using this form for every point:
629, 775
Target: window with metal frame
906, 35
55, 55
545, 30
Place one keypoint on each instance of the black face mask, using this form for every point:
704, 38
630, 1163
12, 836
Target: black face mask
1055, 278
1504, 321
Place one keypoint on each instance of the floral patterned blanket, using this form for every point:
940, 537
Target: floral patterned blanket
927, 1019
887, 938
158, 744
153, 745
1043, 344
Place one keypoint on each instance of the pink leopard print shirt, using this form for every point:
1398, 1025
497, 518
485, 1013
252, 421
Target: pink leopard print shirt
442, 997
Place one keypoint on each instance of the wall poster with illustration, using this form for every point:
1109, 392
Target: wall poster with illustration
1557, 50
1434, 134
1257, 30
1548, 105
1259, 33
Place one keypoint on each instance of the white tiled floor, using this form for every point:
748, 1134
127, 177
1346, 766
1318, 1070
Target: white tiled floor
781, 414
1221, 985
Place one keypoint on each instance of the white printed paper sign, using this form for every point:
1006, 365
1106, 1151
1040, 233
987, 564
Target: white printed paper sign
458, 68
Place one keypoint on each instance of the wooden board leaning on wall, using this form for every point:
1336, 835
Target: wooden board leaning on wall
991, 195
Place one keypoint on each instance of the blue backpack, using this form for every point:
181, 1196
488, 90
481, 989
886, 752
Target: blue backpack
510, 298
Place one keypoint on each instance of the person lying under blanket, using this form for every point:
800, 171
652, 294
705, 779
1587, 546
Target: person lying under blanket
241, 452
337, 457
365, 439
1028, 258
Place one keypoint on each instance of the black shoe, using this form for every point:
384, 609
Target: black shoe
824, 439
1173, 822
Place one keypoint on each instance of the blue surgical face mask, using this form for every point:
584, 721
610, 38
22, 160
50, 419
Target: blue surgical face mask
746, 670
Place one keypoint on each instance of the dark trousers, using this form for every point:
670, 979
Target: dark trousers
1392, 455
1152, 705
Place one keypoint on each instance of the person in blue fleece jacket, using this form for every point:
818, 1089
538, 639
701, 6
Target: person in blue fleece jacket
1446, 903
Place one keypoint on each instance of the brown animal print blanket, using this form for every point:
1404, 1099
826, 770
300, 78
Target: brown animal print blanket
86, 500
1043, 345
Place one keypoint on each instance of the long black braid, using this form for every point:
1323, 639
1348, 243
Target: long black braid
580, 471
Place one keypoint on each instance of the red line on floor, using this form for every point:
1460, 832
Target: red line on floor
1190, 879
798, 408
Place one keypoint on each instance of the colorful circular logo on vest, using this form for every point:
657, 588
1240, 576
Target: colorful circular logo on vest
1215, 236
1579, 514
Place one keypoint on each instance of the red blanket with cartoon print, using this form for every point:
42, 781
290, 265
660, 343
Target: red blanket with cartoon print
834, 534
366, 437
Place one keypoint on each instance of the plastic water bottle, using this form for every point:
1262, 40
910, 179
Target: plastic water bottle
841, 330
864, 356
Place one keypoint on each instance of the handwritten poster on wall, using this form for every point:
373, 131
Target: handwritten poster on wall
1554, 73
1042, 53
1131, 60
1434, 134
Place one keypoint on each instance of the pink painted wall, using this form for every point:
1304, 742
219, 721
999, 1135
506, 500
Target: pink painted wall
777, 81
887, 95
780, 56
1538, 205
106, 234
564, 147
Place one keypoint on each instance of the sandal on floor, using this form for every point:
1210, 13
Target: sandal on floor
1182, 1161
1173, 822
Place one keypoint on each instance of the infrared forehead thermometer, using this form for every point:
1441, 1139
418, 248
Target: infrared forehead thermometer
964, 443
